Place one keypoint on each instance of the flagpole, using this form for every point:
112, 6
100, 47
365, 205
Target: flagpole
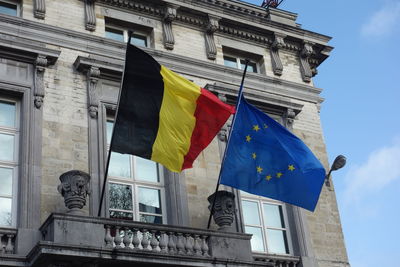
112, 135
227, 143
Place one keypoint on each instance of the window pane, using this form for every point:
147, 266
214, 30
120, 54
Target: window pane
7, 114
120, 197
121, 215
117, 35
6, 176
230, 62
5, 211
257, 242
250, 213
146, 170
276, 240
109, 128
6, 147
8, 9
149, 200
251, 67
139, 40
120, 165
273, 216
150, 219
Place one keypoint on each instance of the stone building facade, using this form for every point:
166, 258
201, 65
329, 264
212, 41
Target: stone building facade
60, 69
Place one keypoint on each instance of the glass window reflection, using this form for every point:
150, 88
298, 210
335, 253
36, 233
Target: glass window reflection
149, 200
7, 114
273, 216
120, 196
120, 165
146, 170
276, 240
5, 211
250, 212
257, 242
6, 175
6, 147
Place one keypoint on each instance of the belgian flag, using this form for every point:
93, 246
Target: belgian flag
163, 116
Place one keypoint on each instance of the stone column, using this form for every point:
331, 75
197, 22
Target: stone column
74, 188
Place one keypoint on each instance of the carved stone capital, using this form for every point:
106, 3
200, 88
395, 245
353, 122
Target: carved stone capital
90, 15
39, 9
168, 35
224, 209
38, 92
278, 42
93, 75
213, 23
74, 188
305, 68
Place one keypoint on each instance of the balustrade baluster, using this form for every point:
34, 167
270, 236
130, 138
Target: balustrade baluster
1, 244
117, 238
189, 244
145, 240
135, 239
163, 242
180, 246
171, 243
197, 247
204, 246
127, 239
154, 242
9, 247
108, 238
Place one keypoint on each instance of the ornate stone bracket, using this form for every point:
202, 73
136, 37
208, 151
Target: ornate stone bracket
212, 26
93, 75
278, 43
305, 68
39, 10
90, 15
289, 116
40, 64
170, 15
74, 188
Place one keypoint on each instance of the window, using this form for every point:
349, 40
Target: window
8, 8
266, 220
9, 137
120, 33
239, 63
136, 187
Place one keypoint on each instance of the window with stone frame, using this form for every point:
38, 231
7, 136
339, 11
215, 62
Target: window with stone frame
136, 186
9, 7
239, 63
235, 58
9, 139
118, 31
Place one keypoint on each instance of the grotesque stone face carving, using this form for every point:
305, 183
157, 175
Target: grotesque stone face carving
224, 209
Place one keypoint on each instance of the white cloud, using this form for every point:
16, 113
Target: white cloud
384, 21
380, 170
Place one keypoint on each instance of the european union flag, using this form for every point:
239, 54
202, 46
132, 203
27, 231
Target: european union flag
265, 159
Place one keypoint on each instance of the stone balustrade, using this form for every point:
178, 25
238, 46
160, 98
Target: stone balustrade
157, 239
7, 240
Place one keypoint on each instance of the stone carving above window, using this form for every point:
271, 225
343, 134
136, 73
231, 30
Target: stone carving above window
93, 75
40, 63
212, 26
90, 15
169, 16
278, 44
305, 68
39, 10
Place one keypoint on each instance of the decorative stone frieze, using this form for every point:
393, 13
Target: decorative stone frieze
278, 43
40, 66
169, 16
305, 68
224, 209
93, 75
39, 9
74, 188
90, 15
212, 26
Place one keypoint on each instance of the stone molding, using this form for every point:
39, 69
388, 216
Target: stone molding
305, 68
278, 43
168, 34
39, 9
90, 15
212, 27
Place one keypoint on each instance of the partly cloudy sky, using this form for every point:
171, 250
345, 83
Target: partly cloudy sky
384, 21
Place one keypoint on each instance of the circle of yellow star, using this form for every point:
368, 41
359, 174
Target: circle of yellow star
256, 128
291, 168
279, 174
268, 177
254, 155
259, 169
248, 138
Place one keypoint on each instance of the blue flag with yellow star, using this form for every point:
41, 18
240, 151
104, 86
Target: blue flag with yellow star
265, 159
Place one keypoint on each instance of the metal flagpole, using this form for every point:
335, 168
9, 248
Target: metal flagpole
227, 143
112, 136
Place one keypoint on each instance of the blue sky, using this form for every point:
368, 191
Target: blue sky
360, 118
